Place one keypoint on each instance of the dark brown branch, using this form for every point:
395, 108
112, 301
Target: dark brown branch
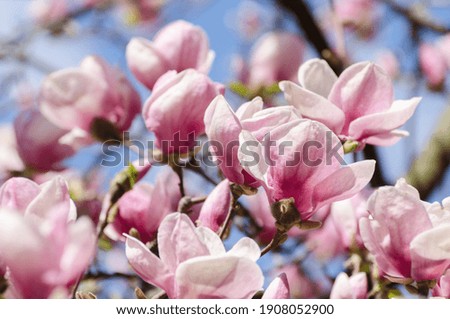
416, 19
315, 36
428, 168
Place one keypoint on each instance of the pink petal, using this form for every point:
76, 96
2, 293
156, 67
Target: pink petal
178, 241
211, 240
17, 193
149, 267
218, 277
363, 88
382, 123
216, 207
313, 106
278, 288
387, 139
317, 76
246, 247
248, 109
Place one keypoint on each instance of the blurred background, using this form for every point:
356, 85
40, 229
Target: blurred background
409, 39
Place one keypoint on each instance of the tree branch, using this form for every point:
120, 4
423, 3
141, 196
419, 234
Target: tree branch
415, 18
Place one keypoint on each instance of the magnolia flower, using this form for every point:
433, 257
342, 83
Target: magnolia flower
216, 207
45, 12
357, 106
178, 46
443, 44
274, 57
302, 161
145, 206
300, 285
193, 262
433, 64
353, 287
358, 14
28, 198
223, 127
408, 237
72, 98
175, 110
388, 62
278, 288
53, 250
442, 288
38, 141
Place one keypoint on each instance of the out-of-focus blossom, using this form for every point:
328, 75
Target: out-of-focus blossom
442, 288
408, 237
138, 11
300, 286
389, 63
175, 110
278, 288
193, 262
38, 141
223, 127
145, 206
29, 198
358, 106
433, 65
73, 98
53, 250
216, 207
443, 45
276, 56
24, 94
353, 287
10, 160
178, 46
45, 12
290, 168
357, 14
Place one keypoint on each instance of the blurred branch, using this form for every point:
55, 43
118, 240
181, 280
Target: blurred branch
315, 36
429, 167
415, 18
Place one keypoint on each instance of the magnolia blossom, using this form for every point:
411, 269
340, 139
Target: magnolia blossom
408, 237
175, 110
193, 263
216, 207
389, 63
42, 151
357, 106
442, 288
353, 287
178, 46
72, 98
53, 250
45, 12
299, 163
278, 288
443, 45
300, 285
358, 14
223, 127
145, 206
270, 61
433, 64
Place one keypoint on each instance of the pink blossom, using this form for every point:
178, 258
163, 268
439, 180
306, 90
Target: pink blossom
353, 287
145, 206
45, 12
193, 262
178, 46
433, 64
223, 126
388, 62
278, 288
38, 141
72, 98
29, 198
175, 110
300, 285
216, 207
443, 44
358, 14
53, 250
274, 57
442, 288
408, 237
357, 106
312, 176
